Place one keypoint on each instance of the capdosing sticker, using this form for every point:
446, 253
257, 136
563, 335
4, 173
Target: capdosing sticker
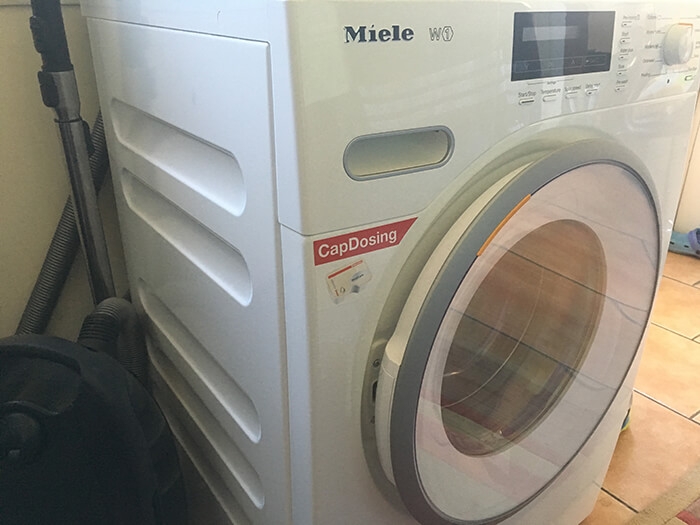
359, 242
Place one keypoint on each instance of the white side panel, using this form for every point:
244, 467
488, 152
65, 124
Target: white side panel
192, 159
242, 18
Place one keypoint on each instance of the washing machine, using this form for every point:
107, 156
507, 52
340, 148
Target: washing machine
396, 258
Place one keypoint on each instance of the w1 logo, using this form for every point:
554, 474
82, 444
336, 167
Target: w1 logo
444, 33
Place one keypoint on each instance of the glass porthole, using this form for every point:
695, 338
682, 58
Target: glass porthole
533, 342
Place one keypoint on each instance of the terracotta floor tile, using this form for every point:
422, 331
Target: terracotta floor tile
653, 454
677, 308
608, 511
683, 268
669, 370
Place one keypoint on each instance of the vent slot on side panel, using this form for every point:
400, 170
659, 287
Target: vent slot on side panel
231, 465
205, 168
187, 438
220, 261
217, 389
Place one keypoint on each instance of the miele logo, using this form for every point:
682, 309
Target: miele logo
370, 34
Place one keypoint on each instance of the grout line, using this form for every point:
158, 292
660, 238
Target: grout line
674, 332
616, 498
676, 280
695, 415
666, 406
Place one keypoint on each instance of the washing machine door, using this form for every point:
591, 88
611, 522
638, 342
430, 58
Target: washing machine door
517, 336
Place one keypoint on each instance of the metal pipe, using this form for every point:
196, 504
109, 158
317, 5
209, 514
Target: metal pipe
59, 91
87, 214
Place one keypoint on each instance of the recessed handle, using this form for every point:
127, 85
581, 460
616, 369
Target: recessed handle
398, 152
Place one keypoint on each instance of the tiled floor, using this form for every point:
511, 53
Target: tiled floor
663, 440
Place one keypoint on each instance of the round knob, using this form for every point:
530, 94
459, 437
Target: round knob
678, 44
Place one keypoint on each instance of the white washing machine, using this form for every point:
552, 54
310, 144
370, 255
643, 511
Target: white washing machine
396, 257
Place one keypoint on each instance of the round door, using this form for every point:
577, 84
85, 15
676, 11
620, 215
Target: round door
517, 337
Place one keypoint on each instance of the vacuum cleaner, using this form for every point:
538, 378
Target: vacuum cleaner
81, 440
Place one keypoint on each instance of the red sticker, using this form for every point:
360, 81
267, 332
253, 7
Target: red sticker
359, 242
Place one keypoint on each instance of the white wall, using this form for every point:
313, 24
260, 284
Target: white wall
688, 217
33, 177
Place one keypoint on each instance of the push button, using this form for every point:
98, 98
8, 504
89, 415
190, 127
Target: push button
526, 101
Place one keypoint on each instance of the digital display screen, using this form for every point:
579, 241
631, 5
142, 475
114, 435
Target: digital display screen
551, 44
542, 34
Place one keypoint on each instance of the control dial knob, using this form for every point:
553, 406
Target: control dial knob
678, 44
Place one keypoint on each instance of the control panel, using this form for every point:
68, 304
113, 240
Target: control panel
572, 61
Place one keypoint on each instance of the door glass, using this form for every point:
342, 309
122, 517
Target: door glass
511, 359
536, 342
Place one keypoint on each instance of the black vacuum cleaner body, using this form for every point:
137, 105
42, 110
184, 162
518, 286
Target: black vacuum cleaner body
81, 441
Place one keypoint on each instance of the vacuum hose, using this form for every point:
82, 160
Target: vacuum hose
63, 248
114, 328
